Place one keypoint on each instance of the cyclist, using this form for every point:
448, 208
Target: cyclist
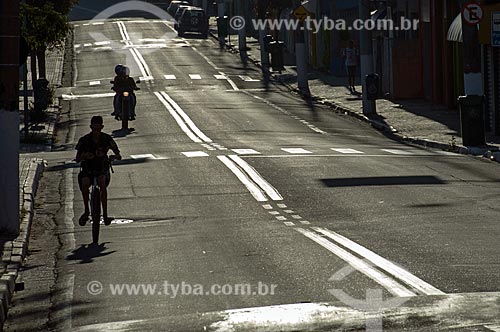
93, 155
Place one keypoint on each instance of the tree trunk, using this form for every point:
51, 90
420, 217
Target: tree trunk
41, 63
34, 75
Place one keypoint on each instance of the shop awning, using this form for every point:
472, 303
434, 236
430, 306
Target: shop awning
455, 30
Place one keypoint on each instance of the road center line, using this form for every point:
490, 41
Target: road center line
178, 119
387, 282
186, 118
254, 190
257, 178
382, 263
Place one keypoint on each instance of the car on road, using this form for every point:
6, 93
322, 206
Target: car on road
193, 19
178, 14
174, 5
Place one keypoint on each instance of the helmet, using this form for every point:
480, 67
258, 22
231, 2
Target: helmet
118, 69
125, 70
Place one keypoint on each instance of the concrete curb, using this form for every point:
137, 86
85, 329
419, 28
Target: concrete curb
14, 252
476, 151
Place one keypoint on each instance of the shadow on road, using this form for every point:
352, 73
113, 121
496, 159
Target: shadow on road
86, 253
383, 181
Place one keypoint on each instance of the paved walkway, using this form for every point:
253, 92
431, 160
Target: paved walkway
13, 249
416, 121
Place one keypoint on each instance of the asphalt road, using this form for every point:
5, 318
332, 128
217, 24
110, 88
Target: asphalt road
228, 180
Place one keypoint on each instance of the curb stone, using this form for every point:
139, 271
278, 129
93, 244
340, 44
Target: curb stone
14, 252
426, 143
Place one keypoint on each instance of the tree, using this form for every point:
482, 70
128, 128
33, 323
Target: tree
46, 28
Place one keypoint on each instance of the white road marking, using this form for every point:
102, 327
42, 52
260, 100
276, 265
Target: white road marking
98, 95
98, 23
296, 150
384, 264
274, 213
282, 206
289, 223
494, 328
143, 67
147, 78
145, 156
208, 147
255, 176
347, 151
247, 78
230, 81
194, 154
186, 118
387, 282
245, 151
77, 45
304, 222
178, 119
94, 83
87, 44
102, 43
170, 77
296, 216
289, 211
103, 48
152, 40
398, 152
254, 190
281, 218
267, 206
220, 77
195, 76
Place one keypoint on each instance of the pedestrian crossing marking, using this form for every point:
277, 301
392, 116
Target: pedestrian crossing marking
399, 152
194, 154
170, 77
347, 151
289, 223
146, 78
296, 150
220, 77
305, 222
92, 83
245, 151
282, 206
267, 207
247, 78
281, 218
195, 76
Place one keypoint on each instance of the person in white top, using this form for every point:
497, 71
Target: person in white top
351, 62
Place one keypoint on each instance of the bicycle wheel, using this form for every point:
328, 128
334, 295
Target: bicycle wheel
96, 214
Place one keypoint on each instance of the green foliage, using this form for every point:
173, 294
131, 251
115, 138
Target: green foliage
46, 28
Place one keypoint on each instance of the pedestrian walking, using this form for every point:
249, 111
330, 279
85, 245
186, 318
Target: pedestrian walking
351, 62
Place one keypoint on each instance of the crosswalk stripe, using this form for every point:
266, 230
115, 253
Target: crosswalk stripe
245, 151
347, 151
194, 154
220, 77
94, 83
399, 152
170, 77
296, 150
195, 76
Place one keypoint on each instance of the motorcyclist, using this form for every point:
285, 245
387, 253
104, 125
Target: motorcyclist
124, 83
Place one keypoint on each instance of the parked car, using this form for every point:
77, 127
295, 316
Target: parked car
193, 19
174, 5
178, 14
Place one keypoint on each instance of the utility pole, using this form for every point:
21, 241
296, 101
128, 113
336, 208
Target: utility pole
9, 116
366, 53
242, 33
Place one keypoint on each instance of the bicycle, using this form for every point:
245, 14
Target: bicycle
95, 203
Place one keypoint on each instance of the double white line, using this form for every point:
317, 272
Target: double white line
254, 182
183, 120
395, 279
143, 66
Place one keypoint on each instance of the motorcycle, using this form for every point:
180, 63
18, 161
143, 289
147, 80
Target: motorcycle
124, 103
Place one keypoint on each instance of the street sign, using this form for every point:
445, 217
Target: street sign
472, 13
495, 29
301, 13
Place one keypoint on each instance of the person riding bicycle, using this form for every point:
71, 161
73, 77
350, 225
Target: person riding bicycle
123, 82
93, 157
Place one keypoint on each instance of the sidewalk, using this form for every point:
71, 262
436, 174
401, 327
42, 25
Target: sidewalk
415, 121
13, 250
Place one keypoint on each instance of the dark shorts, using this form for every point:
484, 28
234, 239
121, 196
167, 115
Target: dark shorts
351, 70
91, 174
